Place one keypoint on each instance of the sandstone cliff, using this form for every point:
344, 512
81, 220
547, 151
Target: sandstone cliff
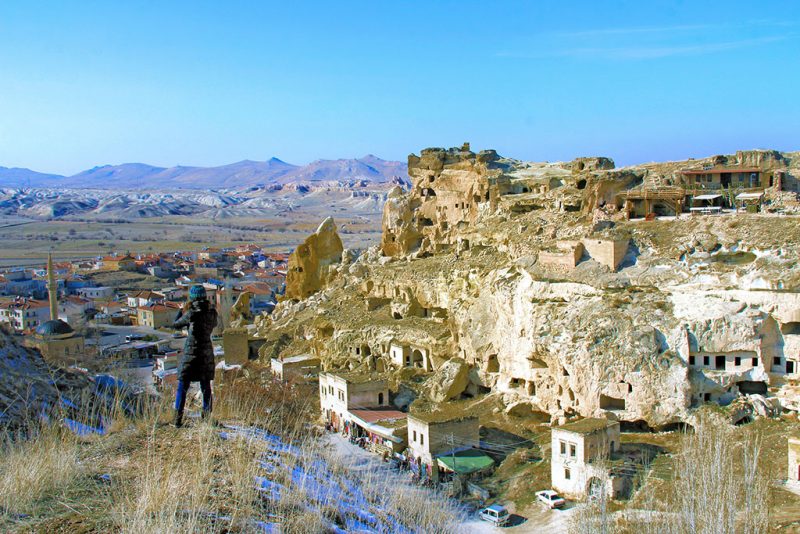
529, 274
309, 264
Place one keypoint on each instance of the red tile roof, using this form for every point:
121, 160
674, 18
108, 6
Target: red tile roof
378, 414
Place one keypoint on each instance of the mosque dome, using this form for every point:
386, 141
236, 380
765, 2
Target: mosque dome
55, 328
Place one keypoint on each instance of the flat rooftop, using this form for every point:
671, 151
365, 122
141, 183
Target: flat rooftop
589, 425
298, 358
356, 378
440, 417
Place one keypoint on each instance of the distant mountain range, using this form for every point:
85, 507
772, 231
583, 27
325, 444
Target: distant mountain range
369, 170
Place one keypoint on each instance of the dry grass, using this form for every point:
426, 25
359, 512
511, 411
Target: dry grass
38, 468
162, 479
720, 484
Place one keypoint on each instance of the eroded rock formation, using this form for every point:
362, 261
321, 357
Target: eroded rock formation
523, 282
310, 264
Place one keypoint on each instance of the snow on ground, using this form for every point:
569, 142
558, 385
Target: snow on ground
535, 518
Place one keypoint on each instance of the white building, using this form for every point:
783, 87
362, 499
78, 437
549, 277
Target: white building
410, 355
576, 451
429, 435
339, 393
25, 314
440, 444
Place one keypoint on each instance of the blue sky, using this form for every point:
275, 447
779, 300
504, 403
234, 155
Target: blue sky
85, 83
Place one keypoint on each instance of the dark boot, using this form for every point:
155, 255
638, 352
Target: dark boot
178, 419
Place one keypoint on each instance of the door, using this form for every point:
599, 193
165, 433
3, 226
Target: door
789, 367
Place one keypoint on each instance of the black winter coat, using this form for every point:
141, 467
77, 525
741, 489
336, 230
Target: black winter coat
197, 362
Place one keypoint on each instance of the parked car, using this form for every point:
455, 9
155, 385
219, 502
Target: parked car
550, 498
133, 337
495, 514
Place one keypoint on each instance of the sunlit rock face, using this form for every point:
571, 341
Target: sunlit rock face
310, 263
525, 282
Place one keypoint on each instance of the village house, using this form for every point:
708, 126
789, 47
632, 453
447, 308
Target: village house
722, 177
156, 315
74, 309
24, 314
210, 253
410, 355
159, 271
440, 444
262, 297
576, 451
171, 293
295, 367
339, 393
647, 201
101, 292
144, 298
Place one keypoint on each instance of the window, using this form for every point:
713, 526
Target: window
415, 436
706, 360
380, 398
707, 397
422, 439
776, 360
572, 450
567, 473
563, 449
737, 361
755, 362
691, 360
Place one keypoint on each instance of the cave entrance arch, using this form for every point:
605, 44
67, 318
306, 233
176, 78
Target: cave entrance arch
417, 359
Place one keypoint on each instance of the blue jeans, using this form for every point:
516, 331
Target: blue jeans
183, 388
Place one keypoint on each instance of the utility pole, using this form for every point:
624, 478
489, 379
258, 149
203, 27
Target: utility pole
453, 453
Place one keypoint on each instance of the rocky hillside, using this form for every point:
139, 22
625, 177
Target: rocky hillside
30, 390
525, 284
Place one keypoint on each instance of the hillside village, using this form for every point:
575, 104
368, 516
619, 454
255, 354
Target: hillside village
555, 321
509, 301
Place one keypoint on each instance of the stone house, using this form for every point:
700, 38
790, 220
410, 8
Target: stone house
608, 252
576, 449
439, 444
410, 355
156, 315
295, 367
341, 392
566, 256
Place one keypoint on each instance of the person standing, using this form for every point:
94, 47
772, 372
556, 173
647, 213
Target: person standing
197, 362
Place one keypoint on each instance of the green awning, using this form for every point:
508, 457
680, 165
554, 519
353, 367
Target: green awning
465, 462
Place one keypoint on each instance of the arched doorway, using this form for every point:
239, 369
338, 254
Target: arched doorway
595, 489
417, 359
